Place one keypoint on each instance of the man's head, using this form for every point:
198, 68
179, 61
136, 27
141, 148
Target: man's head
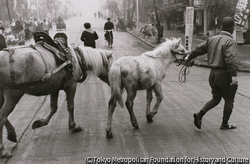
87, 25
108, 19
228, 24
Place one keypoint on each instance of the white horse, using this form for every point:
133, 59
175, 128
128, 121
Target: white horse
144, 72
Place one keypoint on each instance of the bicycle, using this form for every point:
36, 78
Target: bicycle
109, 38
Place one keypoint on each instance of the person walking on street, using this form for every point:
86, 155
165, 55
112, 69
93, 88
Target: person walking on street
89, 36
222, 58
2, 42
45, 25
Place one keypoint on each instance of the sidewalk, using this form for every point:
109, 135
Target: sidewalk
244, 55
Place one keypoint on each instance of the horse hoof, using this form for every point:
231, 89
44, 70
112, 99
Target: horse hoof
77, 129
38, 124
6, 155
135, 125
149, 118
12, 137
109, 134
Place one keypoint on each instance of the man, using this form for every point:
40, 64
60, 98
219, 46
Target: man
1, 27
108, 26
222, 58
2, 42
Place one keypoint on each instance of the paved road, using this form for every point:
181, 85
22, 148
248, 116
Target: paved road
172, 134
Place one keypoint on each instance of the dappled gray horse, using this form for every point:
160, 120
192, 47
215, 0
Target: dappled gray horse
144, 72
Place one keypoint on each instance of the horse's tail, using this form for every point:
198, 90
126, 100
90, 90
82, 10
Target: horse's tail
116, 83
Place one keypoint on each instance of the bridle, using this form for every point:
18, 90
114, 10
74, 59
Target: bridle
186, 64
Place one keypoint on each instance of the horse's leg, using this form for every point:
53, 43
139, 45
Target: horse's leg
10, 129
158, 92
149, 99
53, 109
70, 94
131, 93
11, 98
111, 109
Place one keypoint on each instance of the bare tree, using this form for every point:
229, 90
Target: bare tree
7, 6
159, 28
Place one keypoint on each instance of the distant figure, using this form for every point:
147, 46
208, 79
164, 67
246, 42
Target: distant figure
59, 20
45, 25
27, 33
1, 27
89, 36
13, 24
2, 42
95, 15
168, 20
33, 26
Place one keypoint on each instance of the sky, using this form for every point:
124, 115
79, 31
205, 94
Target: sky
88, 6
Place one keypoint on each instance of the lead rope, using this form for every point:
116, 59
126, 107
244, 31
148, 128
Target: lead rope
185, 70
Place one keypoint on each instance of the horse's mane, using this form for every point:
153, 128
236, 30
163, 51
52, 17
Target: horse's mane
96, 59
164, 48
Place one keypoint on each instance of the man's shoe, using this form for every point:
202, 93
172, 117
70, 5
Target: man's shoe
197, 121
227, 127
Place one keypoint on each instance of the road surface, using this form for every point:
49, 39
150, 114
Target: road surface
171, 134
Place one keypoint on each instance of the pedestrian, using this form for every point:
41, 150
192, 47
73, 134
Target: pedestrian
27, 33
222, 58
1, 27
89, 36
45, 25
2, 42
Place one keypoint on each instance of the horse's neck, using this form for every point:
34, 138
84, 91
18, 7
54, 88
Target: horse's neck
165, 59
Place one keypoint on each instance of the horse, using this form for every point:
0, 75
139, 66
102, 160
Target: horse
144, 72
22, 70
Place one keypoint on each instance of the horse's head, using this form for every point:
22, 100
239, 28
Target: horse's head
108, 59
109, 56
178, 51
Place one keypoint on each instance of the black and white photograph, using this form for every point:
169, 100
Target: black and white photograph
124, 81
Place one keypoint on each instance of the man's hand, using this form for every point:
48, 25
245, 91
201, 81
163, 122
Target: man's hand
234, 81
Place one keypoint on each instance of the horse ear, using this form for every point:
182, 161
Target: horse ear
110, 54
179, 41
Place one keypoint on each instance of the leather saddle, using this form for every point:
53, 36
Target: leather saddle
58, 46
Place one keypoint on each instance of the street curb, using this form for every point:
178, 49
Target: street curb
149, 44
200, 64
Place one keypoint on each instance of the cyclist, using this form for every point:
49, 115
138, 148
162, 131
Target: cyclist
108, 26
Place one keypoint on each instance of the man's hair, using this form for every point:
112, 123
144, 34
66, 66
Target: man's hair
87, 25
227, 24
108, 19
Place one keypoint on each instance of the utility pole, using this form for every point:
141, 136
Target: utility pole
37, 9
137, 26
191, 3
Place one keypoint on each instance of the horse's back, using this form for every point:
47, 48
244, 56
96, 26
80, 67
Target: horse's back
20, 65
137, 70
